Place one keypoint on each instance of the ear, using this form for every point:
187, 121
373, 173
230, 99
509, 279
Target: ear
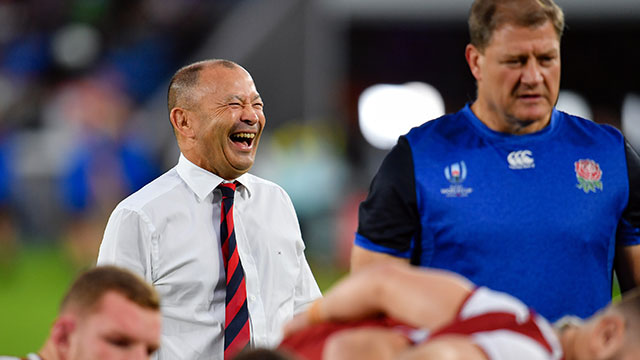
61, 332
474, 59
608, 336
182, 121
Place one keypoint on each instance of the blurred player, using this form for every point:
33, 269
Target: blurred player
107, 314
394, 311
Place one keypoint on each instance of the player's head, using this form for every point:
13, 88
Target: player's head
217, 116
486, 16
613, 333
107, 314
514, 55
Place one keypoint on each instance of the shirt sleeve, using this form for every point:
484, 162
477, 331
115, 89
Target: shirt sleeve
388, 220
127, 242
306, 288
629, 228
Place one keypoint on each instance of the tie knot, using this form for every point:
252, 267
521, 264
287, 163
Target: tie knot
227, 189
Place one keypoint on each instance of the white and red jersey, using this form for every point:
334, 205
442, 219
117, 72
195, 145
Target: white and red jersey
502, 326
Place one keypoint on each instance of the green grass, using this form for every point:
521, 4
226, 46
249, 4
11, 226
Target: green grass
326, 275
31, 287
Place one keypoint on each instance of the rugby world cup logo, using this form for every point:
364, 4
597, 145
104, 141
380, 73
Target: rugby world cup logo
589, 175
456, 172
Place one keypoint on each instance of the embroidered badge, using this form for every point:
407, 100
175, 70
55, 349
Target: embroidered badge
588, 174
456, 173
521, 159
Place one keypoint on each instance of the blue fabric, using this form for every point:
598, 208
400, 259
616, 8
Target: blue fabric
530, 231
28, 55
7, 171
124, 164
362, 241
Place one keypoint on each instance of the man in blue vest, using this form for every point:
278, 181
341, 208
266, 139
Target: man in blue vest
510, 192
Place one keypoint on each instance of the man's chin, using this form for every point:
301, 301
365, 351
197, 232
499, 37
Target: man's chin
533, 115
240, 168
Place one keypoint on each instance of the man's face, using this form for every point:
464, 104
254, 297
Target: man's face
518, 74
228, 121
118, 329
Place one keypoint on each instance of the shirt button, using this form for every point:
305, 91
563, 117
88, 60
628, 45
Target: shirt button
252, 297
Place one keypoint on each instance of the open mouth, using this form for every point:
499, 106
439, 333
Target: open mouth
243, 138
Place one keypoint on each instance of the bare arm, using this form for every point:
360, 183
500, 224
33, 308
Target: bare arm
417, 297
628, 266
361, 257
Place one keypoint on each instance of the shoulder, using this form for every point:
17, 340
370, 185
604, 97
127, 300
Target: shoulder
31, 356
444, 133
264, 187
443, 124
524, 331
484, 300
161, 190
588, 131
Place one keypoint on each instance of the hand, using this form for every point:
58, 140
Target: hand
307, 318
296, 324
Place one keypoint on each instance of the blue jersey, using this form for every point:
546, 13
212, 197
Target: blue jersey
538, 216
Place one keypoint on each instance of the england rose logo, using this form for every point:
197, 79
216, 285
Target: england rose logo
588, 174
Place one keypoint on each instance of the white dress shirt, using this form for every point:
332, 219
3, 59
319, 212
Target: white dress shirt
169, 232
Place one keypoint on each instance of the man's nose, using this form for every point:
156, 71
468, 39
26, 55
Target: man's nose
531, 73
249, 114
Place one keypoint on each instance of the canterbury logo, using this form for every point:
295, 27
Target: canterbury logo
521, 159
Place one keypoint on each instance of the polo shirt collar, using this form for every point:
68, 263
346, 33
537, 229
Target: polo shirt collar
202, 182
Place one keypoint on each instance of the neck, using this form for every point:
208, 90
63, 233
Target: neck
567, 335
48, 351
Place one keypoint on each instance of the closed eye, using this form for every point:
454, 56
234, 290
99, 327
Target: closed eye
546, 60
515, 62
120, 342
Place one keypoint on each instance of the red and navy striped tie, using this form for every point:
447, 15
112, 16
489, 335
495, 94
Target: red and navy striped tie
236, 324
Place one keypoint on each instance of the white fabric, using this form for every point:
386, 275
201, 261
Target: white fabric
169, 233
504, 344
32, 356
485, 300
509, 345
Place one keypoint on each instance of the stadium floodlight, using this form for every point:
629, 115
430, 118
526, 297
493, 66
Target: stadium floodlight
631, 119
574, 104
387, 111
76, 46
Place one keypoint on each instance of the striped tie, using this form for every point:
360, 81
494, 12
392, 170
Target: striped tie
236, 324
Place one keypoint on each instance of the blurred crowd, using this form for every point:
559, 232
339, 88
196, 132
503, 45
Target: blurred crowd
74, 78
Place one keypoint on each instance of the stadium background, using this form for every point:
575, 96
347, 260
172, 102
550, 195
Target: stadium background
83, 82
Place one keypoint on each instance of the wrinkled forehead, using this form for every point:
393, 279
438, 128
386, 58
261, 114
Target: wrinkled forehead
512, 36
227, 82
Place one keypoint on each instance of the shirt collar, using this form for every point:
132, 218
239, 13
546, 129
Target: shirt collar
202, 182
